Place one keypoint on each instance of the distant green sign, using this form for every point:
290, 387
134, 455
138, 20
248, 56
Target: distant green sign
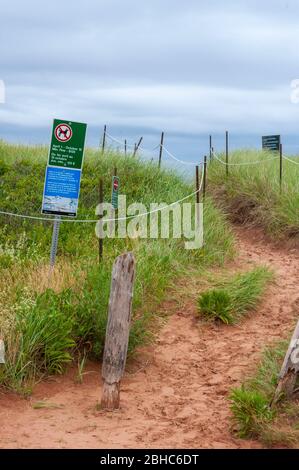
115, 191
67, 144
271, 142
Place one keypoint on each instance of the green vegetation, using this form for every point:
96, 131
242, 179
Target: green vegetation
251, 410
252, 414
251, 193
45, 323
236, 296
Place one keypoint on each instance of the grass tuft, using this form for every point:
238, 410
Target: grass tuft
251, 411
236, 297
254, 415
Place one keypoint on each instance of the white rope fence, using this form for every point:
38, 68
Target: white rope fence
184, 162
256, 162
31, 217
130, 145
290, 160
171, 155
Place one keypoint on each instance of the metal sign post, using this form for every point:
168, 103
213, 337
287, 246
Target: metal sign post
54, 245
115, 191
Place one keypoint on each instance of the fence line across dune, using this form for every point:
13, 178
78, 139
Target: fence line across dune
215, 155
161, 145
30, 217
149, 151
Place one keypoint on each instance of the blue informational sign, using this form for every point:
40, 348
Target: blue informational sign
61, 191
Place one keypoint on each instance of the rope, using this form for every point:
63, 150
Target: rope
130, 145
243, 163
289, 160
31, 217
184, 162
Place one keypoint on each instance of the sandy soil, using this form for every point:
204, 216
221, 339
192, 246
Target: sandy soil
175, 394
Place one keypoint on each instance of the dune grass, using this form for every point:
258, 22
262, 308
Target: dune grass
46, 324
253, 415
251, 193
236, 296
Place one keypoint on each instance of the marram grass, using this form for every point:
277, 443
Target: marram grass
45, 325
252, 193
236, 296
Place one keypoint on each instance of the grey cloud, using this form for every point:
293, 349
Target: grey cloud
188, 67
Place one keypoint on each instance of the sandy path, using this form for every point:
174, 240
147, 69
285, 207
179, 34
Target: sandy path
175, 395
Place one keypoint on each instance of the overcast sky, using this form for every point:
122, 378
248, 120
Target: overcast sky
189, 67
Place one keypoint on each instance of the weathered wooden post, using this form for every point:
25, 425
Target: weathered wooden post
161, 148
2, 352
118, 328
101, 199
197, 183
226, 151
204, 178
289, 369
136, 146
104, 139
280, 166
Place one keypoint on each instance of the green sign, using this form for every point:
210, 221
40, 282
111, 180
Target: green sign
67, 144
115, 191
271, 142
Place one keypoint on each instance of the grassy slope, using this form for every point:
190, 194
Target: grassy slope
251, 409
252, 194
44, 328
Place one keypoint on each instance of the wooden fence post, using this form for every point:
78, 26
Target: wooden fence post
289, 369
226, 151
118, 328
161, 148
211, 147
280, 166
204, 178
104, 139
197, 183
101, 197
136, 146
